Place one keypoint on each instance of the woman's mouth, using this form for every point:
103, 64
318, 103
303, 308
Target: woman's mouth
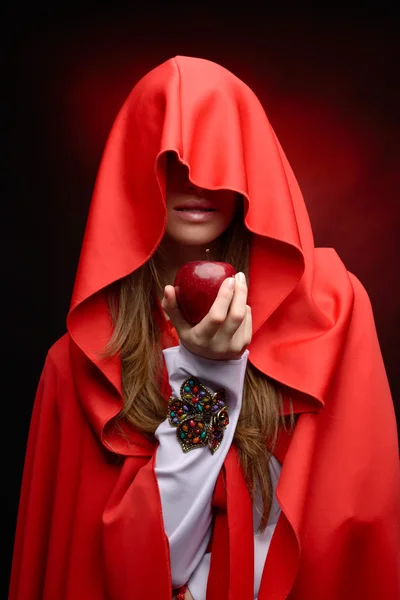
196, 215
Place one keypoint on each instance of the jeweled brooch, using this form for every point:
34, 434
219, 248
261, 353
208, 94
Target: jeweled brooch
200, 416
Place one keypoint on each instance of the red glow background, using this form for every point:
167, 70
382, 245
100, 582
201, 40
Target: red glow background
329, 88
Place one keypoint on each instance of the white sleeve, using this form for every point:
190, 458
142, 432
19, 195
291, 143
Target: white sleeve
186, 480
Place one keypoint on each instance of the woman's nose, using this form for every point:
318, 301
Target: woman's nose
192, 188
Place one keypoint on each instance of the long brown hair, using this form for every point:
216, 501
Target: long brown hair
136, 337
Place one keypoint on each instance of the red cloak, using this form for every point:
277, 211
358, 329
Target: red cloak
90, 521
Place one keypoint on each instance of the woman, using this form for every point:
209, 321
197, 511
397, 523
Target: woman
298, 494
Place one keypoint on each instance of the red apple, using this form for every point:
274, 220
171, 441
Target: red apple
196, 286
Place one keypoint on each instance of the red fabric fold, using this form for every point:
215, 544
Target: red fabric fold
132, 514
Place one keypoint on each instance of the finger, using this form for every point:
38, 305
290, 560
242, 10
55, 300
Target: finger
248, 330
170, 306
237, 309
242, 337
209, 326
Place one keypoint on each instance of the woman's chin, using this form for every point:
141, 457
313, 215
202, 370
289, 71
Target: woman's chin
192, 238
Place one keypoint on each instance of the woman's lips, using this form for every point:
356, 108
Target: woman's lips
196, 215
193, 203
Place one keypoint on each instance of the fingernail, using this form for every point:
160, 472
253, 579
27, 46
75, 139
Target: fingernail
240, 277
231, 283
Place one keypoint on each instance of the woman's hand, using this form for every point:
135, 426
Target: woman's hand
225, 332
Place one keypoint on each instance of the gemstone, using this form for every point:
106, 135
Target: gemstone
200, 425
185, 427
182, 435
203, 435
180, 411
200, 408
202, 393
195, 389
172, 414
175, 420
186, 388
185, 408
196, 440
192, 424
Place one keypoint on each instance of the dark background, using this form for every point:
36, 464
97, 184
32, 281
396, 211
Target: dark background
328, 84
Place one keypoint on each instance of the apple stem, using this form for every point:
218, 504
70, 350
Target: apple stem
207, 253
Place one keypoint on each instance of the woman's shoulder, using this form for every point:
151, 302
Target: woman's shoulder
58, 356
56, 386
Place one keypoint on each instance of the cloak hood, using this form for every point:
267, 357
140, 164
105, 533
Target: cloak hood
301, 299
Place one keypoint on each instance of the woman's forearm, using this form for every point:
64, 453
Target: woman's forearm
186, 480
